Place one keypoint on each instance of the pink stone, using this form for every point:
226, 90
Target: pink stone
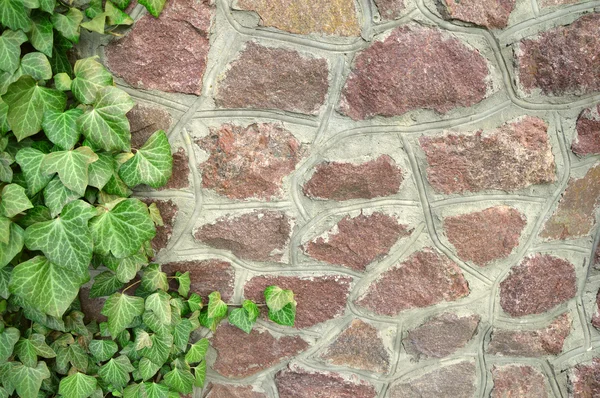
168, 212
587, 141
456, 381
415, 67
144, 120
511, 157
305, 384
206, 276
231, 391
390, 9
492, 14
424, 279
584, 380
596, 316
518, 381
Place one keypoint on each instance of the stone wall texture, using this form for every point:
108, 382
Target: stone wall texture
424, 174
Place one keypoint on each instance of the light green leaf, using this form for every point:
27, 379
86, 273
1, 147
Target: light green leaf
152, 164
105, 284
78, 357
14, 15
278, 298
207, 322
184, 284
153, 278
30, 161
103, 350
121, 309
216, 307
155, 390
116, 371
37, 66
9, 250
56, 196
60, 59
160, 350
42, 34
151, 320
42, 349
155, 215
62, 82
142, 339
195, 302
285, 316
159, 304
245, 317
68, 24
96, 24
181, 334
10, 49
31, 4
180, 380
90, 77
147, 369
77, 385
134, 390
4, 229
47, 5
6, 173
61, 127
200, 374
4, 280
4, 127
100, 172
155, 7
251, 309
14, 200
94, 8
26, 353
197, 351
8, 338
129, 266
27, 381
115, 16
71, 166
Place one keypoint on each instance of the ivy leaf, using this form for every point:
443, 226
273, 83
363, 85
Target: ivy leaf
47, 5
128, 267
62, 82
14, 15
197, 351
155, 390
159, 304
121, 309
147, 369
96, 24
277, 298
216, 307
56, 196
42, 34
245, 317
101, 171
184, 283
90, 77
180, 380
14, 200
61, 127
116, 371
153, 278
9, 250
8, 338
195, 302
77, 385
142, 339
200, 374
115, 16
207, 322
68, 24
152, 164
10, 49
26, 353
27, 381
105, 284
78, 357
41, 348
30, 160
4, 229
181, 334
103, 350
60, 60
6, 173
37, 66
155, 7
285, 316
151, 321
94, 8
160, 349
71, 166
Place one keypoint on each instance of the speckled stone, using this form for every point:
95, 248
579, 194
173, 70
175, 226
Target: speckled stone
587, 141
232, 391
144, 120
492, 14
456, 381
206, 276
596, 316
584, 380
390, 9
555, 3
514, 381
168, 211
305, 384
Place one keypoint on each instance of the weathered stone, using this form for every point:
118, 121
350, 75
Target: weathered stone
390, 9
457, 381
249, 162
144, 120
584, 380
531, 343
168, 53
91, 307
441, 336
512, 157
596, 316
539, 283
518, 381
206, 276
264, 77
562, 60
241, 355
597, 257
425, 278
319, 298
554, 3
415, 67
258, 236
335, 17
231, 391
346, 181
359, 346
574, 216
168, 212
181, 171
358, 241
492, 14
587, 141
485, 236
304, 384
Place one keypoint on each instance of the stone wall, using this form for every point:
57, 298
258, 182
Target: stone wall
425, 176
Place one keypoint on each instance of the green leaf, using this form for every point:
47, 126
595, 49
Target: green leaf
68, 24
216, 307
77, 385
41, 348
181, 334
153, 278
195, 302
78, 357
10, 49
155, 390
115, 16
31, 4
9, 250
63, 81
159, 304
197, 351
37, 66
152, 164
14, 200
4, 127
94, 8
184, 284
200, 374
75, 324
60, 60
151, 321
6, 173
285, 316
100, 172
90, 77
61, 127
30, 161
14, 15
47, 5
96, 24
155, 7
278, 298
129, 266
147, 369
116, 371
120, 310
160, 350
142, 339
4, 229
56, 196
71, 166
245, 317
27, 381
105, 284
42, 34
207, 322
103, 350
26, 353
8, 338
180, 380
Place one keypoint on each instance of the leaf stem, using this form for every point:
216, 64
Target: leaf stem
132, 285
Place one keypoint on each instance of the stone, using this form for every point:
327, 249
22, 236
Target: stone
241, 355
441, 336
346, 181
249, 162
168, 53
358, 241
168, 211
335, 17
91, 307
574, 216
180, 178
206, 276
359, 346
319, 298
555, 3
587, 141
492, 14
415, 67
597, 257
531, 343
456, 381
562, 60
258, 236
596, 316
538, 284
305, 384
485, 236
390, 9
584, 380
512, 157
424, 279
274, 78
231, 391
518, 381
144, 120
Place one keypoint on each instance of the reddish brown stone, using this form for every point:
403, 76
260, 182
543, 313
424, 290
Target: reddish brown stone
91, 307
304, 384
531, 343
144, 120
241, 355
357, 241
425, 278
562, 60
441, 336
597, 257
231, 391
456, 381
168, 53
168, 212
181, 171
485, 236
346, 181
249, 162
415, 67
574, 216
319, 298
539, 283
514, 156
584, 380
264, 77
596, 317
518, 381
587, 141
390, 9
258, 236
492, 14
207, 276
359, 346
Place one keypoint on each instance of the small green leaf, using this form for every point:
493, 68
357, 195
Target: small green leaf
9, 250
197, 351
68, 24
13, 200
160, 349
42, 34
62, 82
155, 7
4, 229
155, 390
6, 173
278, 298
180, 380
147, 369
142, 339
26, 353
115, 16
94, 8
96, 24
217, 308
103, 350
77, 385
42, 349
78, 357
121, 309
285, 316
181, 334
90, 77
153, 278
101, 171
37, 66
200, 374
71, 166
10, 49
8, 338
184, 284
56, 196
61, 127
116, 371
155, 215
195, 302
245, 317
14, 15
30, 161
27, 381
60, 60
47, 5
152, 164
105, 284
128, 267
159, 304
153, 323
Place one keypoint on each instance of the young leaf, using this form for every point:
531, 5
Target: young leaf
71, 166
216, 307
128, 267
14, 15
103, 350
147, 369
56, 196
180, 380
155, 390
27, 381
42, 35
160, 349
195, 302
77, 385
115, 16
68, 24
200, 374
153, 6
278, 298
8, 338
120, 310
285, 316
181, 334
30, 161
62, 82
10, 49
90, 77
13, 200
153, 278
61, 127
26, 353
101, 171
105, 284
38, 341
116, 371
6, 173
152, 164
245, 317
197, 351
9, 250
78, 357
184, 284
159, 304
96, 24
37, 66
142, 339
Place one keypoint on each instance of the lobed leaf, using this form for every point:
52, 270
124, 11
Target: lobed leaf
13, 200
152, 164
77, 385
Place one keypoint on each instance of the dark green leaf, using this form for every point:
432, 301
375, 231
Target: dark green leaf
121, 309
105, 284
42, 34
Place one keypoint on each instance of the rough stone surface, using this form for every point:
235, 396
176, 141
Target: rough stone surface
518, 381
537, 284
441, 335
390, 9
415, 67
596, 316
492, 14
336, 17
587, 141
304, 384
257, 236
485, 236
232, 391
457, 381
574, 216
144, 120
241, 355
531, 343
319, 298
512, 157
249, 162
346, 181
359, 346
554, 3
206, 276
264, 77
585, 380
425, 278
358, 241
168, 53
562, 60
168, 212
